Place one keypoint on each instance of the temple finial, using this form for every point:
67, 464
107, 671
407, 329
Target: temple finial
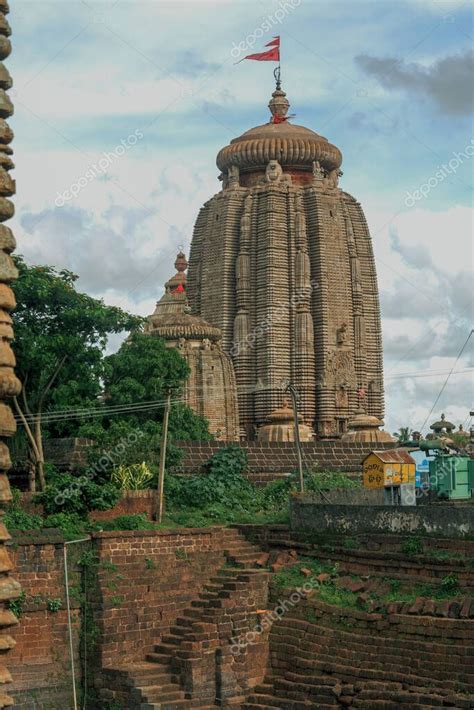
181, 263
279, 105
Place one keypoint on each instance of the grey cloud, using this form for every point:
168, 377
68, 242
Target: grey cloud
448, 82
105, 257
189, 64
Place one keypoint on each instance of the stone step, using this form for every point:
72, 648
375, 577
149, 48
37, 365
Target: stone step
171, 640
209, 595
180, 630
366, 653
379, 662
158, 695
351, 673
161, 655
183, 621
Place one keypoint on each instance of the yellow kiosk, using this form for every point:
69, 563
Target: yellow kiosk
394, 470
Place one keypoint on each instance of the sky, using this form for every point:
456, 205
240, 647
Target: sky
121, 107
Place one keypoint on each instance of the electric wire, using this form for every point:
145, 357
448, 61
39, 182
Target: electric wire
137, 407
446, 380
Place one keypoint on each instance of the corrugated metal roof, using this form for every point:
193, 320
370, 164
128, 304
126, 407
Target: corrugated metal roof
394, 456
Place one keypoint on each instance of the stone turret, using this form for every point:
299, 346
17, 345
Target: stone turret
9, 384
280, 426
365, 429
211, 388
290, 256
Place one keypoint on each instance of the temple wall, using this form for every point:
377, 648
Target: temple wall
40, 661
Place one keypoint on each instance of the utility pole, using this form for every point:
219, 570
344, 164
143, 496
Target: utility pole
289, 387
158, 514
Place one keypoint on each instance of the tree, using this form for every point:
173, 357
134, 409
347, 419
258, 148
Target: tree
60, 339
403, 435
137, 379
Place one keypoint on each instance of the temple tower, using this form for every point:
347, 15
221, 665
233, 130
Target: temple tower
281, 262
210, 389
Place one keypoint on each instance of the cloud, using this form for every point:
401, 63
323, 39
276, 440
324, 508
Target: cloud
447, 82
189, 63
102, 251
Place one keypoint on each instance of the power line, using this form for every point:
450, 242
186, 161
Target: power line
446, 380
427, 373
62, 415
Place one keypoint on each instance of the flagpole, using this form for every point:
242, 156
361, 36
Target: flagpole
277, 70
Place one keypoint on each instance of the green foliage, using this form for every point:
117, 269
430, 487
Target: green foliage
450, 584
351, 543
53, 605
222, 485
329, 480
79, 495
16, 605
403, 434
72, 525
133, 478
16, 518
61, 333
412, 546
276, 494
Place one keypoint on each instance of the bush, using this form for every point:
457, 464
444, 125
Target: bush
412, 546
16, 518
133, 478
223, 485
79, 495
72, 525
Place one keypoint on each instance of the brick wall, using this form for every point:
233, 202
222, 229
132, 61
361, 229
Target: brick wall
274, 460
144, 580
346, 657
40, 661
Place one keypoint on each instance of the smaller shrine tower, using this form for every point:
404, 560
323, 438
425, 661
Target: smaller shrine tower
210, 390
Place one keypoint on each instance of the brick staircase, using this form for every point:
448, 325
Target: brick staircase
317, 666
172, 676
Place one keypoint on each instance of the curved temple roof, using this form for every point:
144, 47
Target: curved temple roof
291, 145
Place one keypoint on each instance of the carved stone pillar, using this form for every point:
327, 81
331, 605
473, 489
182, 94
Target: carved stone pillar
9, 384
242, 344
304, 365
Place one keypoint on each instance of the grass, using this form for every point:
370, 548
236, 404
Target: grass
292, 577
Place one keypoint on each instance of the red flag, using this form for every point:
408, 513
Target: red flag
178, 289
274, 43
273, 55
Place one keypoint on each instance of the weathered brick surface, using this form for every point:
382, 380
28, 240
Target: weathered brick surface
344, 657
195, 659
40, 661
145, 579
266, 462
